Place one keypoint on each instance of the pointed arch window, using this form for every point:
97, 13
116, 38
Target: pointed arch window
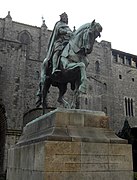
97, 67
24, 37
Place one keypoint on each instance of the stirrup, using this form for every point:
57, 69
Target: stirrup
56, 70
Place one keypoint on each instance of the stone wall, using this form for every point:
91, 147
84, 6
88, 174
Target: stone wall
124, 83
22, 50
20, 75
3, 126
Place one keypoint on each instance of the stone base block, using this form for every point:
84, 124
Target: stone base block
69, 146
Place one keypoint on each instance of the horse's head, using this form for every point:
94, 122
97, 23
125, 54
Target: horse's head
90, 35
95, 28
85, 36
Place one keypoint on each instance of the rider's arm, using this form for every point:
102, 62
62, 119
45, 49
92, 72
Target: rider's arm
65, 31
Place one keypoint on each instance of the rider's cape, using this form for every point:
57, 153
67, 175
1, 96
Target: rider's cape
53, 38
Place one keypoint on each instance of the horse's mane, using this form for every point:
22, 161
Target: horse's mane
93, 26
81, 28
79, 38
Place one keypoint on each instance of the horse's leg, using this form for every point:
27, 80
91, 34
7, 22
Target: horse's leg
61, 100
83, 79
75, 96
77, 101
83, 85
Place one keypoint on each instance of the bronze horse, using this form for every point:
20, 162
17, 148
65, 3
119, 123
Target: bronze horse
72, 65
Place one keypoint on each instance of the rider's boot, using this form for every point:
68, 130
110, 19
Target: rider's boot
83, 85
55, 62
55, 70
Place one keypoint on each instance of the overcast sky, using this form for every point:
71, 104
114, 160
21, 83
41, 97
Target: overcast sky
117, 17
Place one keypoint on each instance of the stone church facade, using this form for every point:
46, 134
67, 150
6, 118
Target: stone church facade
111, 75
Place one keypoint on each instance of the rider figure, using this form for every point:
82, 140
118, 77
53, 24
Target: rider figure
59, 39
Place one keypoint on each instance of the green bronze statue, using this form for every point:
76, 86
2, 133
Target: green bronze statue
66, 59
59, 39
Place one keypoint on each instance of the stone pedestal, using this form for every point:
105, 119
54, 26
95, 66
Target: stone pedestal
70, 145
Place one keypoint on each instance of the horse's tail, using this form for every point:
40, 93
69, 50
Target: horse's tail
43, 76
46, 69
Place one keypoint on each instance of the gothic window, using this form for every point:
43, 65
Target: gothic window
97, 67
126, 107
24, 37
129, 107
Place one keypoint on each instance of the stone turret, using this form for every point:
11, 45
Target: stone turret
43, 39
8, 27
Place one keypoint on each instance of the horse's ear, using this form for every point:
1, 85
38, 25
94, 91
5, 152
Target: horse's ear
93, 21
92, 24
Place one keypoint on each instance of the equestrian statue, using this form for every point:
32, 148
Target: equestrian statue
66, 59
